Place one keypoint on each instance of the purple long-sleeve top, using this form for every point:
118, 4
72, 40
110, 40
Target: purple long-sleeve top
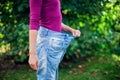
45, 13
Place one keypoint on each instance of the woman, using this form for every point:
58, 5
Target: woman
47, 42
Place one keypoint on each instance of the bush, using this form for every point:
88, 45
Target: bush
99, 25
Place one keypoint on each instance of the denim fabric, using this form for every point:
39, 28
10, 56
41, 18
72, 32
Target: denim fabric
50, 48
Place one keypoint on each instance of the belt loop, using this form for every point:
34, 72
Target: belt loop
46, 32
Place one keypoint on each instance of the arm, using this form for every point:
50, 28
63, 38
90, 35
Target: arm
33, 60
35, 10
32, 41
75, 32
35, 13
66, 28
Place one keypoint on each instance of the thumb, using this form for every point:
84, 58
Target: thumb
36, 64
73, 33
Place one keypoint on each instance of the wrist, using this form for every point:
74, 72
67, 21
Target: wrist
72, 30
32, 49
32, 53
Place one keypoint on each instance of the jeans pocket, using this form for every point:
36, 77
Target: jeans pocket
57, 44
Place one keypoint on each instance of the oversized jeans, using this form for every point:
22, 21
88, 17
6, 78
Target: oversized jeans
50, 47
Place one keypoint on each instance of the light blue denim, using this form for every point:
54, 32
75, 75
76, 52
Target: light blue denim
51, 47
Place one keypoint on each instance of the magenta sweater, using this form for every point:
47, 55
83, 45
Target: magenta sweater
45, 13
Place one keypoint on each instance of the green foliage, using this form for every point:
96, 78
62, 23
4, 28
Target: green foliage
98, 20
99, 24
13, 28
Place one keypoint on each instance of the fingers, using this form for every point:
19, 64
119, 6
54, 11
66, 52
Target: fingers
76, 33
33, 62
34, 66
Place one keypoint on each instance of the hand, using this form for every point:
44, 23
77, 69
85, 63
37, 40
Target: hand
76, 33
33, 61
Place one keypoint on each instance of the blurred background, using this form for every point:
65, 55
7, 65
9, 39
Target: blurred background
93, 56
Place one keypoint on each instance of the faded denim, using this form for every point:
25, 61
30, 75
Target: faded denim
50, 48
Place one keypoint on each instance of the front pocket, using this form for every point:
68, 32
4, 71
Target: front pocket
57, 44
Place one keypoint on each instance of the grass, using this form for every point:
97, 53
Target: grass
95, 68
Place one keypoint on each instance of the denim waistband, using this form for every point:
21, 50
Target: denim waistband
44, 32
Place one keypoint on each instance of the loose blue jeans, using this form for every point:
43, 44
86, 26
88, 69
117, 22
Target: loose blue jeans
50, 48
